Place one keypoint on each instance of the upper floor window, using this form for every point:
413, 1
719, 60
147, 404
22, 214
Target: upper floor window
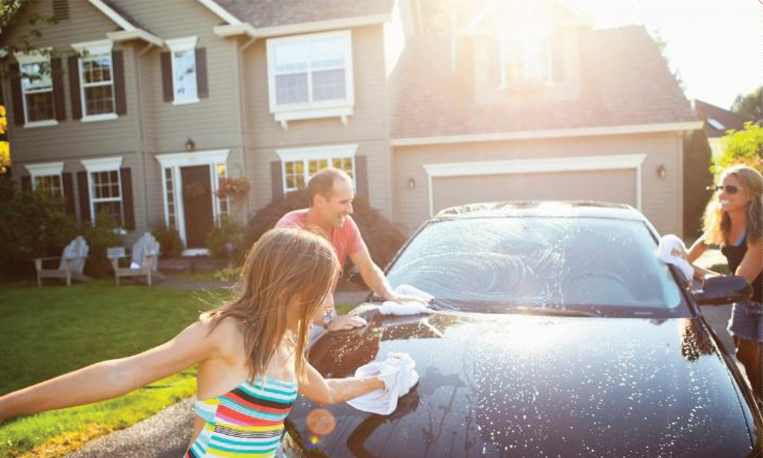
310, 73
96, 80
184, 75
299, 165
526, 58
36, 88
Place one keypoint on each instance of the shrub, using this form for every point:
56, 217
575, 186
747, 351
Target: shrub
31, 225
170, 243
226, 241
100, 236
382, 237
741, 147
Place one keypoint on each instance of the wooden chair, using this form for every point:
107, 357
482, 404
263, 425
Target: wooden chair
72, 263
144, 260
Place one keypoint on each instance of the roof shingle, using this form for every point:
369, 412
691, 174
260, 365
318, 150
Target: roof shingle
268, 13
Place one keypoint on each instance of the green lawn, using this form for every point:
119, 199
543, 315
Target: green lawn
48, 331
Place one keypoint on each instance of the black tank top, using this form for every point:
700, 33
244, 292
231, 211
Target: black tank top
734, 255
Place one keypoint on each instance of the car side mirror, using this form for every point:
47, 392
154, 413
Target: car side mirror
354, 276
724, 290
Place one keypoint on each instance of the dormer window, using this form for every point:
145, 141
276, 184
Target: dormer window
526, 58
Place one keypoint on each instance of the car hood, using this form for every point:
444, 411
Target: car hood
535, 386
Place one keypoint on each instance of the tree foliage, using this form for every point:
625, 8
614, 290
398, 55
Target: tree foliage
750, 104
741, 147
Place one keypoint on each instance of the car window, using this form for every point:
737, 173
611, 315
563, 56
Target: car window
492, 263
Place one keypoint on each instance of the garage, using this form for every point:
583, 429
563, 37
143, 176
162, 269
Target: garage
582, 179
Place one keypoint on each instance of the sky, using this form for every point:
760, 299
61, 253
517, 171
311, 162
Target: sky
715, 45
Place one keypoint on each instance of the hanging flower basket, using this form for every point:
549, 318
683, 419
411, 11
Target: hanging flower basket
235, 188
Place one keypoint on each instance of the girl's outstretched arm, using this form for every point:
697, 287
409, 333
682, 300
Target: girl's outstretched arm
336, 390
109, 379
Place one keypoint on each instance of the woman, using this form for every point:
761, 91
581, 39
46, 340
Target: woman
250, 354
734, 220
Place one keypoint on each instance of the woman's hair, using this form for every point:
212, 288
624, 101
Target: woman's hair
717, 223
286, 270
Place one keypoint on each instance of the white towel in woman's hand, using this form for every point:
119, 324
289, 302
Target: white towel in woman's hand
399, 375
673, 251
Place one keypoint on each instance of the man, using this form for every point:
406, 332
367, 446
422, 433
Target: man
331, 194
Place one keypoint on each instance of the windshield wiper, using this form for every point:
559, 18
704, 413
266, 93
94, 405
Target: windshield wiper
547, 311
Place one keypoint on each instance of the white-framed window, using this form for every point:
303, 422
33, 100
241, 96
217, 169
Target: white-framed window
526, 57
96, 76
105, 188
183, 58
299, 165
47, 177
37, 88
312, 75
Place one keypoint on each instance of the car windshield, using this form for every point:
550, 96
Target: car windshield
594, 266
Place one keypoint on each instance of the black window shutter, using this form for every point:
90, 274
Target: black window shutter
84, 197
57, 72
361, 177
557, 58
74, 88
201, 73
127, 201
69, 193
167, 77
276, 179
16, 95
26, 184
117, 59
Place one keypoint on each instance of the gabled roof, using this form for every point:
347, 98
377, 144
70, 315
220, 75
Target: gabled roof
717, 120
269, 13
624, 81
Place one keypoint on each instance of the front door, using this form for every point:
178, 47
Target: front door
197, 205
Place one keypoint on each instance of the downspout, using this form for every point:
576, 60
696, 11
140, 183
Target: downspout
242, 111
141, 131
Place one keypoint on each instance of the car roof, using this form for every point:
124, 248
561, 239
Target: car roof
553, 208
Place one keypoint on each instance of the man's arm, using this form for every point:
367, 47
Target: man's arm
372, 274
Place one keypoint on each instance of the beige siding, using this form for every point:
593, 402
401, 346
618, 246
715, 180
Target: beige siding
661, 197
367, 127
618, 186
73, 139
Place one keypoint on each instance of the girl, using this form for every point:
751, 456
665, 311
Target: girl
250, 354
734, 220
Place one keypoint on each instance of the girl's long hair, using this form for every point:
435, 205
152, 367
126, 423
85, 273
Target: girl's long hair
286, 270
717, 224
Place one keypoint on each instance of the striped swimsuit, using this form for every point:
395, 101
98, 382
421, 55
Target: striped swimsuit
246, 421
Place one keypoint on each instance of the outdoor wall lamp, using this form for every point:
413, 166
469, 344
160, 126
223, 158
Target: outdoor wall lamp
190, 145
411, 183
662, 172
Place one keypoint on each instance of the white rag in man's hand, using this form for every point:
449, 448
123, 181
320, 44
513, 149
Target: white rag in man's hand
408, 307
673, 251
398, 374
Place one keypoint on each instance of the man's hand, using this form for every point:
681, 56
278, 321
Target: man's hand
345, 322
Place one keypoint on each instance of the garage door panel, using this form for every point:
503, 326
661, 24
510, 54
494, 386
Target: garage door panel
618, 186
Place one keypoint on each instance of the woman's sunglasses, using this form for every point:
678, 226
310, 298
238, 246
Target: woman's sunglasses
730, 188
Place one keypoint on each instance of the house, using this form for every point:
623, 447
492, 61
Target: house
148, 105
718, 122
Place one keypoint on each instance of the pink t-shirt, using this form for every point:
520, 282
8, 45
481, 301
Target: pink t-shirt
345, 239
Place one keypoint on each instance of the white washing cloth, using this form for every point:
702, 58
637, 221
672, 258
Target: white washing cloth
409, 307
670, 243
399, 375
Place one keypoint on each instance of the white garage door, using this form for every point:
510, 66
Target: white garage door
618, 186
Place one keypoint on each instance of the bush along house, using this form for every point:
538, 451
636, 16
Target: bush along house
183, 113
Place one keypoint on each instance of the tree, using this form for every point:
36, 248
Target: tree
5, 151
750, 104
741, 147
